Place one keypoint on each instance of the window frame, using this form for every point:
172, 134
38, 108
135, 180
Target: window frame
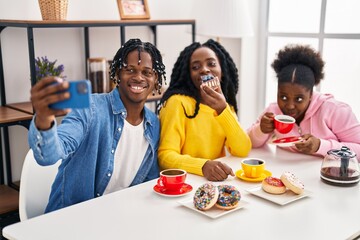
321, 36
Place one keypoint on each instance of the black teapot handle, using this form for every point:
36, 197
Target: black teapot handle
344, 161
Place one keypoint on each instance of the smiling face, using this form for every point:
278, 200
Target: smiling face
137, 81
204, 61
293, 100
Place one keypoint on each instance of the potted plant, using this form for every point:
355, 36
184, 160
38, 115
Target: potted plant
44, 67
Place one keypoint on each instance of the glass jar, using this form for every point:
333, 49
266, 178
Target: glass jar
97, 75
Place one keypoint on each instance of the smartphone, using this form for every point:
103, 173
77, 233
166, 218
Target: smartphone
80, 91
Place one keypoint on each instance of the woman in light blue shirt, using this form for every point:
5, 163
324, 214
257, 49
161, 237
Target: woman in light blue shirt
88, 141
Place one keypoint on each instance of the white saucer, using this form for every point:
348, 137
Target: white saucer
240, 174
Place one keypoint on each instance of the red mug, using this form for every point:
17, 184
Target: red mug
172, 179
284, 123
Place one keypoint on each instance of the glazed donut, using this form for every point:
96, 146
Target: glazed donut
273, 185
206, 196
292, 182
229, 197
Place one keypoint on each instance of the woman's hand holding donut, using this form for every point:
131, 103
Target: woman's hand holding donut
309, 145
267, 122
213, 96
216, 171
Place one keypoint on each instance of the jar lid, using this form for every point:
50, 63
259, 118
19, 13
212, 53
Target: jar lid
343, 152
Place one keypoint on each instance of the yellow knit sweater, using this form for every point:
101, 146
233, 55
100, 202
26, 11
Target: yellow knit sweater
188, 143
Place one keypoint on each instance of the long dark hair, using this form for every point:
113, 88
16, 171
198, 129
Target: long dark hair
182, 84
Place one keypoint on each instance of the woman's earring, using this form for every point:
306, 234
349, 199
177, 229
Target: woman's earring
117, 81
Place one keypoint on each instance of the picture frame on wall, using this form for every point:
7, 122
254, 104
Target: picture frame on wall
133, 9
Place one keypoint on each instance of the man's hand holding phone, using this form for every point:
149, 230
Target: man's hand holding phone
79, 96
51, 96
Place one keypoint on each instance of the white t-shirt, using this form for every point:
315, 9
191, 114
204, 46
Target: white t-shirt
127, 160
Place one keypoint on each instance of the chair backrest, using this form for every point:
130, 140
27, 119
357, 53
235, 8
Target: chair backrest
35, 187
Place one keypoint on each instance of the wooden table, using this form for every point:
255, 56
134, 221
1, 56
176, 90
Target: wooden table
138, 212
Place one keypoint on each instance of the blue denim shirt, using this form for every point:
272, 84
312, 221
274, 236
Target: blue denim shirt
85, 141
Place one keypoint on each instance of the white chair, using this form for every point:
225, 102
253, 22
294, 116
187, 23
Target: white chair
35, 186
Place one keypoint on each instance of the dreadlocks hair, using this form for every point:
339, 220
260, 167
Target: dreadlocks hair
181, 83
299, 64
120, 60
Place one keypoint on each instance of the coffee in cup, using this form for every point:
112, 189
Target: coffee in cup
253, 167
172, 179
284, 123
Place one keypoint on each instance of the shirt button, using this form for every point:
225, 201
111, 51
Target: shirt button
119, 129
98, 194
109, 174
112, 151
38, 136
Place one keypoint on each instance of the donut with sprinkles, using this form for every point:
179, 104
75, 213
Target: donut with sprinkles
292, 182
206, 196
273, 185
229, 197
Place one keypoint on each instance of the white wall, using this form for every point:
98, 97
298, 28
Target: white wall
66, 45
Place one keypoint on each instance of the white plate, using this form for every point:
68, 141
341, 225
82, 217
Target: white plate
281, 199
287, 141
213, 212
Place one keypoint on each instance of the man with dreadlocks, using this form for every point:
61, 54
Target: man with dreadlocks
198, 118
109, 146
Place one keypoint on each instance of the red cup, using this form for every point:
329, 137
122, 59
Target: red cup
172, 179
284, 123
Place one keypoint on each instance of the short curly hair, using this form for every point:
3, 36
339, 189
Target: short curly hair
299, 64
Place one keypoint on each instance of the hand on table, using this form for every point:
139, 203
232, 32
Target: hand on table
216, 171
45, 93
267, 122
309, 145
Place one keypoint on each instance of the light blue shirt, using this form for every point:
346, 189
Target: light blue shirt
86, 141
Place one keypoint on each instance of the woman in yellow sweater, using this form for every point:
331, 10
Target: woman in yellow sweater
198, 116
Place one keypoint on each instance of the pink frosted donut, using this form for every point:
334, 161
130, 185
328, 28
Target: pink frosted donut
206, 196
273, 185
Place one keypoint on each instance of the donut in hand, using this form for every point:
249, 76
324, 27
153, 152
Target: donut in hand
273, 185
